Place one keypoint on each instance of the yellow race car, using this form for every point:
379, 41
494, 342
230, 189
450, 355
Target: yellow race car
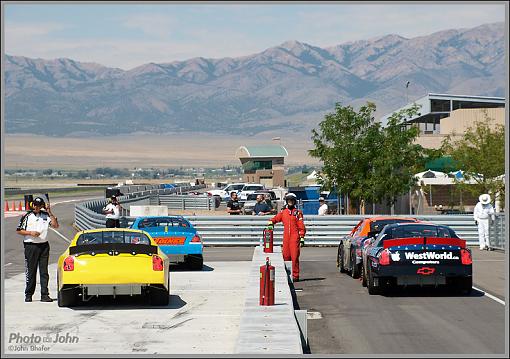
112, 261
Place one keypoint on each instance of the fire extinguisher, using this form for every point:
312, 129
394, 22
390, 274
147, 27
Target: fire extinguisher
267, 284
268, 240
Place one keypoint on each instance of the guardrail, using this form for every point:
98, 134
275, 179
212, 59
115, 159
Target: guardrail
247, 230
88, 214
187, 202
321, 230
497, 233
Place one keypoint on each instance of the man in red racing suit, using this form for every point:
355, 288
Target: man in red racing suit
293, 232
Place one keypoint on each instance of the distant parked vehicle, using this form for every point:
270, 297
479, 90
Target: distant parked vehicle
249, 189
224, 193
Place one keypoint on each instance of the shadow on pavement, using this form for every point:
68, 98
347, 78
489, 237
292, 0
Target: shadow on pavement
126, 302
411, 291
181, 267
310, 279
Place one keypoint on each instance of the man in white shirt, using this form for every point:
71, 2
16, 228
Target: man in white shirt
482, 213
112, 211
323, 209
34, 227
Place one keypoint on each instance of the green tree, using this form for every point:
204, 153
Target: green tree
480, 153
344, 143
397, 158
365, 160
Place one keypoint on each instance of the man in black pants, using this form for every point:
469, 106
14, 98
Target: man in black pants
34, 227
112, 211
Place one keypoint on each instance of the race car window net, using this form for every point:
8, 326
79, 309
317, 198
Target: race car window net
113, 249
163, 222
415, 231
377, 226
113, 237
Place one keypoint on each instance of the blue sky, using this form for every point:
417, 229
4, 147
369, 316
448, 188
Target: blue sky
128, 35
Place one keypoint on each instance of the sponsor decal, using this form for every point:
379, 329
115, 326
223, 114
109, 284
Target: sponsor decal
430, 256
426, 270
170, 240
395, 257
425, 262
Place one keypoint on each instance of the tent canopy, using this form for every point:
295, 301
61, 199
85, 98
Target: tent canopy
442, 164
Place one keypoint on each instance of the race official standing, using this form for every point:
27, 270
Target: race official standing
482, 213
293, 232
34, 227
112, 211
323, 209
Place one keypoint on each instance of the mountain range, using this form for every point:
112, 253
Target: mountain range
287, 87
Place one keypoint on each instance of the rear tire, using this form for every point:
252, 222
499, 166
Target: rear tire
363, 276
159, 296
195, 261
217, 201
355, 272
464, 285
340, 258
67, 297
372, 289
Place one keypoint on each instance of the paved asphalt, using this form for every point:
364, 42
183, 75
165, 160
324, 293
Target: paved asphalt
343, 317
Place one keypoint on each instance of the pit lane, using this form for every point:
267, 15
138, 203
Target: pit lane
202, 317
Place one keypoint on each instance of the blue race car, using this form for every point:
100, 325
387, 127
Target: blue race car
176, 237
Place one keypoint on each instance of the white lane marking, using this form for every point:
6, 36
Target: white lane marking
11, 214
490, 296
61, 235
8, 264
313, 315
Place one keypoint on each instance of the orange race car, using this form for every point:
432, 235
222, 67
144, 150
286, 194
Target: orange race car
349, 258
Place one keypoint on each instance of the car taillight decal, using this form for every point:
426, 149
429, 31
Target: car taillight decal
426, 270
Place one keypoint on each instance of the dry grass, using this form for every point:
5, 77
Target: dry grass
143, 150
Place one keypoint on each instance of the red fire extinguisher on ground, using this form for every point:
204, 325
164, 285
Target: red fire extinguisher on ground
268, 240
267, 284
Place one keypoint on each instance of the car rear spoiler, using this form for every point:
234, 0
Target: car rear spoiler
113, 249
424, 241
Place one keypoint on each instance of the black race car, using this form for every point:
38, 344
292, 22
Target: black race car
417, 254
349, 249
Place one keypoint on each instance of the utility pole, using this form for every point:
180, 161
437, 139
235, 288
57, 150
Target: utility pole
407, 97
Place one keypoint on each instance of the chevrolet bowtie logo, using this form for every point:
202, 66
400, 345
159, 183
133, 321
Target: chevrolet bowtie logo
426, 271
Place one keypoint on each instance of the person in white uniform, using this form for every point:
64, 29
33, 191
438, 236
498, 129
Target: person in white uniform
323, 209
33, 226
112, 211
482, 214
